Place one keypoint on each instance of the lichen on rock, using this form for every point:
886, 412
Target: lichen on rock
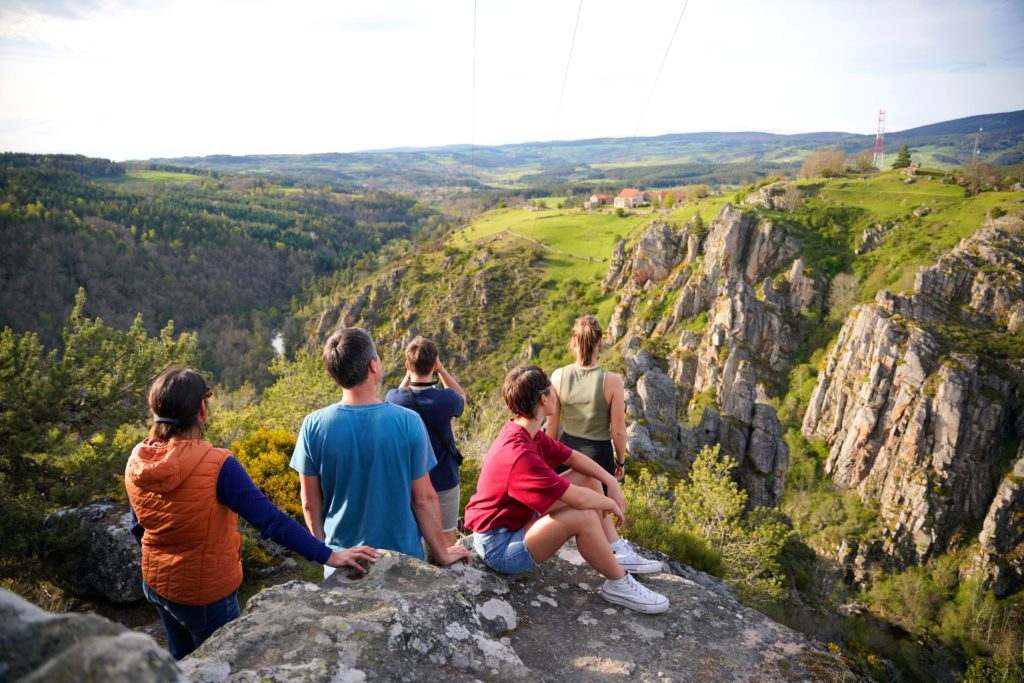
407, 620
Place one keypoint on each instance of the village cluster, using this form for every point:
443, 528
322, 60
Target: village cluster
631, 197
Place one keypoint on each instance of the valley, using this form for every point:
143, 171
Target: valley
854, 345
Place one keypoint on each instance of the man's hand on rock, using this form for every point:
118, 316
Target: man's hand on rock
351, 557
456, 553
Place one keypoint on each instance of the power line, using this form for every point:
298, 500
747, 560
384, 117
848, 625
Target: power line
656, 77
472, 124
565, 79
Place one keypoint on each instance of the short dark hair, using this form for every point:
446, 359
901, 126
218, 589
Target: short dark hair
422, 355
175, 398
347, 356
523, 387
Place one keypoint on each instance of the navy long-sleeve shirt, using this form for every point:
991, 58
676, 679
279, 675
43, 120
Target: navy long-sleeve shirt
236, 490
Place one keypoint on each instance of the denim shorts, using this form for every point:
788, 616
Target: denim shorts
504, 551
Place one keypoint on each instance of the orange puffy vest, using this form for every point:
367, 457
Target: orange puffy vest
191, 550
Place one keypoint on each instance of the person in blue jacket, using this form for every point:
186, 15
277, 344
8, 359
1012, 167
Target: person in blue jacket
436, 407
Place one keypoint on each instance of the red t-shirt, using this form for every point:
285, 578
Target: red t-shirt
517, 480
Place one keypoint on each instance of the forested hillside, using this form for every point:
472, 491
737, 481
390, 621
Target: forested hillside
223, 255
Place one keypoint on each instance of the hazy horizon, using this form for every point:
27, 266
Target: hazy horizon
140, 79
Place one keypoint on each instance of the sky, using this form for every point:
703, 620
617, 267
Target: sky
137, 79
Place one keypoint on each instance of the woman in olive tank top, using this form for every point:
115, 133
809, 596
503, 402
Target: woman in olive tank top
591, 406
591, 402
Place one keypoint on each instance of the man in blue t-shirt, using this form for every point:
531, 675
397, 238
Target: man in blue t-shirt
436, 407
363, 465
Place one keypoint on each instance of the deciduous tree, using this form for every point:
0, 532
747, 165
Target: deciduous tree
825, 163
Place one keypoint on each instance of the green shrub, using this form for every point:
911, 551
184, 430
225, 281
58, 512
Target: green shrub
703, 522
69, 420
713, 506
649, 523
705, 400
697, 323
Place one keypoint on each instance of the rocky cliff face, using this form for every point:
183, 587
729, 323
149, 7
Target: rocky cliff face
720, 308
407, 620
1001, 556
921, 395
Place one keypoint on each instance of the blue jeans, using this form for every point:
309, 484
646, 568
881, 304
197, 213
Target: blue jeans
504, 551
188, 626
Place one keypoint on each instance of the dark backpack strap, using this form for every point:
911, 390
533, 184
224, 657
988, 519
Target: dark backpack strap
430, 427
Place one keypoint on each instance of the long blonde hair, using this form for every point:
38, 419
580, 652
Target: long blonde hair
586, 339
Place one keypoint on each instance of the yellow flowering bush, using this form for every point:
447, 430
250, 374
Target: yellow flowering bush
265, 455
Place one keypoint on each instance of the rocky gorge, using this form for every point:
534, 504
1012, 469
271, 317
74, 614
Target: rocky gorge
919, 400
912, 399
920, 405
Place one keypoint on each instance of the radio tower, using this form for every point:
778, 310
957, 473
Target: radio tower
879, 159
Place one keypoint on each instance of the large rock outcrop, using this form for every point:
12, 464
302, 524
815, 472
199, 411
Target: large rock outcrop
94, 553
409, 621
722, 306
920, 394
39, 646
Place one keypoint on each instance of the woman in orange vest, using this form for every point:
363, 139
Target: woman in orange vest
186, 496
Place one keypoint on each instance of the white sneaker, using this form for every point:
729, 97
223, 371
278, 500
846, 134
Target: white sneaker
634, 564
630, 593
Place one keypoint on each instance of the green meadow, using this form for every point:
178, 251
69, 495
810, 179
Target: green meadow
908, 241
140, 175
576, 245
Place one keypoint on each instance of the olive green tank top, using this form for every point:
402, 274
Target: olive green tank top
584, 410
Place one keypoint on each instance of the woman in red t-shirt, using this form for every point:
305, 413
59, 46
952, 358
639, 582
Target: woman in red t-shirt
523, 512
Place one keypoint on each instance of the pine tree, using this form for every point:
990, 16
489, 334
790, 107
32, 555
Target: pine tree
903, 158
711, 505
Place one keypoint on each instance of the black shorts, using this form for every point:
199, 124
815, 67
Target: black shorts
600, 452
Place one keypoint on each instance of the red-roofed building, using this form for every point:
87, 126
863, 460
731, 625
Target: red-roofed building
630, 198
597, 200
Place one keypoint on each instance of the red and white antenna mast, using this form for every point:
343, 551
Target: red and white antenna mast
879, 159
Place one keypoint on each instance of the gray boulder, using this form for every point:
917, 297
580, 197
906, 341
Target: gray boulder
94, 553
616, 277
36, 645
409, 621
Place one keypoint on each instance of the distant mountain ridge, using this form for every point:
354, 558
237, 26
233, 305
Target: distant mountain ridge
720, 158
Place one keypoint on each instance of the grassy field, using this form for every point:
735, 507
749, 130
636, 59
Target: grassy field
909, 241
139, 175
577, 245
